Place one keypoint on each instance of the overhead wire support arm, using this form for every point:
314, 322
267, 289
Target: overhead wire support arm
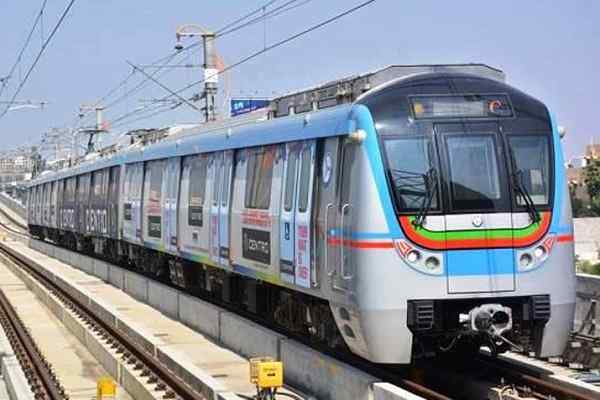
39, 55
252, 56
183, 99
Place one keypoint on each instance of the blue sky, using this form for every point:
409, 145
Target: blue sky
549, 49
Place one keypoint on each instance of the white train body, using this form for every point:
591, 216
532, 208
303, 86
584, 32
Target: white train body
396, 219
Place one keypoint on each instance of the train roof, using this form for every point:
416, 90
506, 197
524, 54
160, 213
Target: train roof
332, 100
332, 122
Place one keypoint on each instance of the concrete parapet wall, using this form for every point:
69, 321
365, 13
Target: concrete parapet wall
387, 391
588, 288
323, 376
320, 375
14, 206
247, 338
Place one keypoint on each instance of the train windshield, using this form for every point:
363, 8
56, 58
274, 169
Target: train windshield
532, 163
411, 162
474, 172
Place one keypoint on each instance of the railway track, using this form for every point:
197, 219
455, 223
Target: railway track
165, 381
38, 371
503, 376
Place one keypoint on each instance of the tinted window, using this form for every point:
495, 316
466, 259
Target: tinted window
474, 175
198, 166
290, 181
304, 180
259, 177
409, 161
226, 183
532, 159
156, 177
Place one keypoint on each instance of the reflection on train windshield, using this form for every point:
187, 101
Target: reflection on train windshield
532, 161
474, 177
410, 162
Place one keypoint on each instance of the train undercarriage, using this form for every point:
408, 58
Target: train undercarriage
292, 312
465, 325
460, 326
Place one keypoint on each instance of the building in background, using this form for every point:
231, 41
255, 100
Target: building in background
576, 172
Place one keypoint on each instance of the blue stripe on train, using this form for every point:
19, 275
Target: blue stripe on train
480, 262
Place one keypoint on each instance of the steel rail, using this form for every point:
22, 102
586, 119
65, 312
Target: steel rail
133, 353
42, 380
519, 374
161, 372
11, 219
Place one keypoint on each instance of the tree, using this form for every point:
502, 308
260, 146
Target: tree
592, 178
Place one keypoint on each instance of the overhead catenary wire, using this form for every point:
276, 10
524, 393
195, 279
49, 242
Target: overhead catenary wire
280, 9
156, 64
260, 52
160, 64
37, 21
245, 17
40, 53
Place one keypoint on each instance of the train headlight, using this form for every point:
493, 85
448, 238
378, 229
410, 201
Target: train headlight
539, 252
413, 256
525, 260
432, 263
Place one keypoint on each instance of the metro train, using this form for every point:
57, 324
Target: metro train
409, 211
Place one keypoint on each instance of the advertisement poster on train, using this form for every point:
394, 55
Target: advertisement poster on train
302, 256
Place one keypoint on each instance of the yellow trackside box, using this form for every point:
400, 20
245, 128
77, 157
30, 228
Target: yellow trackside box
266, 372
106, 388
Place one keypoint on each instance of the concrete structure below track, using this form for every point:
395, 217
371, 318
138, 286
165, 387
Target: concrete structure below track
195, 338
73, 362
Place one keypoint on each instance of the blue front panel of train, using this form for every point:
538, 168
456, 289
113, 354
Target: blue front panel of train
482, 270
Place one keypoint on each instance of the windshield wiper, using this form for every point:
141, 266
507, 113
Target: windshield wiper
430, 182
521, 189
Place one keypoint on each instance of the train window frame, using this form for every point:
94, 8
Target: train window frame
201, 162
304, 179
551, 170
259, 178
226, 182
155, 181
290, 180
435, 163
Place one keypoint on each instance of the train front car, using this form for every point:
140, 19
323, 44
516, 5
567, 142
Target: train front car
474, 242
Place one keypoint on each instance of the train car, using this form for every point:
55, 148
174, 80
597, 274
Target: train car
409, 211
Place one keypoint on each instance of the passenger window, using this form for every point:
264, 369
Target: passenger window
304, 180
226, 183
156, 177
217, 178
290, 181
259, 177
197, 179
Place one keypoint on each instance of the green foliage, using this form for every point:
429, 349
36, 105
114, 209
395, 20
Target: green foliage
588, 267
592, 178
582, 209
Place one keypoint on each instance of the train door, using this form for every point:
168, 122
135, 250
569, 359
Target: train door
344, 272
224, 206
305, 273
327, 241
171, 182
287, 216
113, 201
217, 165
479, 230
